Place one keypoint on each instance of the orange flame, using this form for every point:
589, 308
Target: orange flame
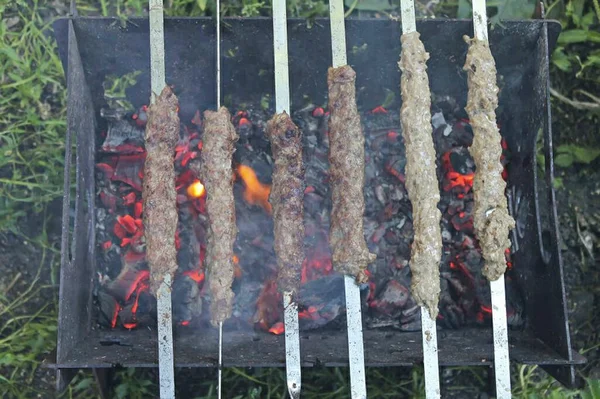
277, 328
256, 193
196, 189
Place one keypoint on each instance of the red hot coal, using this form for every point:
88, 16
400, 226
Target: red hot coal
122, 296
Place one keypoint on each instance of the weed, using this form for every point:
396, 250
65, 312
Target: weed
32, 115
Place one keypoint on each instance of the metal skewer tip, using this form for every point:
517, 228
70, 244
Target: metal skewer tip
501, 353
219, 390
430, 355
292, 346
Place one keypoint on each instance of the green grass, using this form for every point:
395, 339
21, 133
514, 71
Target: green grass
32, 130
32, 115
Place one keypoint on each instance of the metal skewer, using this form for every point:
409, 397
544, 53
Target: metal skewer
163, 295
501, 356
356, 354
218, 11
282, 103
428, 324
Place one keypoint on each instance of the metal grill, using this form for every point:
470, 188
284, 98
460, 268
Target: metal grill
91, 48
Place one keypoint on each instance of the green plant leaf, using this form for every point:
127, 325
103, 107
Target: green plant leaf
575, 10
464, 9
558, 183
564, 160
561, 60
370, 5
573, 36
593, 36
592, 390
585, 154
587, 20
202, 4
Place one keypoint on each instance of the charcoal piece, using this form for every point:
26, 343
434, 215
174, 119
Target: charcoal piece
123, 137
421, 174
109, 308
347, 176
217, 151
391, 299
187, 302
286, 198
325, 295
491, 218
128, 170
159, 195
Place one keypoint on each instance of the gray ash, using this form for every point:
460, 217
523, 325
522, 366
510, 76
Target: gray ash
122, 296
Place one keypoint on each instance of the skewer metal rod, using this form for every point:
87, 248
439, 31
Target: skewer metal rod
219, 391
282, 103
163, 294
428, 324
292, 346
157, 48
219, 60
501, 354
280, 48
338, 33
356, 355
407, 13
220, 370
430, 355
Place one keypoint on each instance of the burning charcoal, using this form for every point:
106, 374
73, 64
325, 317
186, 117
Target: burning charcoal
124, 137
139, 311
187, 302
391, 299
387, 219
246, 299
326, 295
269, 307
109, 309
380, 194
437, 119
129, 170
313, 203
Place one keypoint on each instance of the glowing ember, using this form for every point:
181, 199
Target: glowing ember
140, 279
196, 189
185, 323
256, 193
196, 275
113, 322
244, 122
455, 179
318, 112
277, 329
141, 288
379, 110
130, 326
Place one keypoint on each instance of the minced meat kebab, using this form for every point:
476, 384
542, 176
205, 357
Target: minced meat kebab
421, 176
159, 194
491, 219
350, 254
287, 196
217, 176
